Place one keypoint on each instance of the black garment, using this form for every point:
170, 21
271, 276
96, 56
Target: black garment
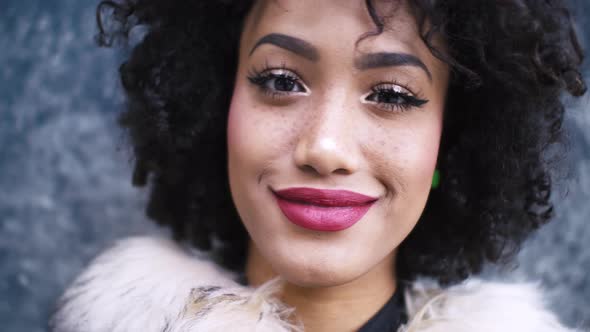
391, 316
388, 319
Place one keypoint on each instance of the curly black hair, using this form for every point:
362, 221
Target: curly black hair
511, 61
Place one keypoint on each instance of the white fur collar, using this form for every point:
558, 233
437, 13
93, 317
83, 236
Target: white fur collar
151, 284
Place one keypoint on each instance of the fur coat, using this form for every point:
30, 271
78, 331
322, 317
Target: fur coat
152, 284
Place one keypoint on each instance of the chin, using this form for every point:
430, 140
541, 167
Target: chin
316, 267
316, 276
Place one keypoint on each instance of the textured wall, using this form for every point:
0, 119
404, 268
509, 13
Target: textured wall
64, 168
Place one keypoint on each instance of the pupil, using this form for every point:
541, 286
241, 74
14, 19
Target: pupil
390, 98
284, 84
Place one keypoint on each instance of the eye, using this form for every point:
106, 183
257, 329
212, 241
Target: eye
281, 81
392, 97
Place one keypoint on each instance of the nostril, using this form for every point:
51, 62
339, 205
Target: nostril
342, 171
309, 169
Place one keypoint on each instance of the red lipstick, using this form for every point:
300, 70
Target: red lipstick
321, 209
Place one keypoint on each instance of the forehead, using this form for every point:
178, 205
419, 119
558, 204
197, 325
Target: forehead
336, 23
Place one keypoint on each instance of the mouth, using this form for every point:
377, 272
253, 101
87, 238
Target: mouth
321, 209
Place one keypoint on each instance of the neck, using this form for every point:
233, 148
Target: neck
343, 307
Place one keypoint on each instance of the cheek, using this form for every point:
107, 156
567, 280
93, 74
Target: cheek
257, 135
407, 155
406, 158
236, 122
245, 131
423, 151
420, 148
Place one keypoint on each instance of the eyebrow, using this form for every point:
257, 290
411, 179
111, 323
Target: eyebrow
364, 62
385, 59
292, 44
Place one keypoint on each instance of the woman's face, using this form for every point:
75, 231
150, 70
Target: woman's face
317, 113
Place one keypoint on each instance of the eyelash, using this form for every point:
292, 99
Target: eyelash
395, 90
262, 77
392, 89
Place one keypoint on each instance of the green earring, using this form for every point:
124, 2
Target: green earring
436, 179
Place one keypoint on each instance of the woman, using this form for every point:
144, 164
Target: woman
348, 165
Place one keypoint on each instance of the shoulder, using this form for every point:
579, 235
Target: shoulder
478, 305
153, 284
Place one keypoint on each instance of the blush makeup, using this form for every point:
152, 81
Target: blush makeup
321, 209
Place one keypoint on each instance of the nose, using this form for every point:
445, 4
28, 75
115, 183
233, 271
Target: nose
327, 143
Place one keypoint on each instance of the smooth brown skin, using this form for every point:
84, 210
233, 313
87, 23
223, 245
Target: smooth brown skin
330, 137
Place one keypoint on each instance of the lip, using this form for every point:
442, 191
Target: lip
322, 209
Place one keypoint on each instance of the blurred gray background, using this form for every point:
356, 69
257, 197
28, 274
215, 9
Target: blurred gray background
65, 190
